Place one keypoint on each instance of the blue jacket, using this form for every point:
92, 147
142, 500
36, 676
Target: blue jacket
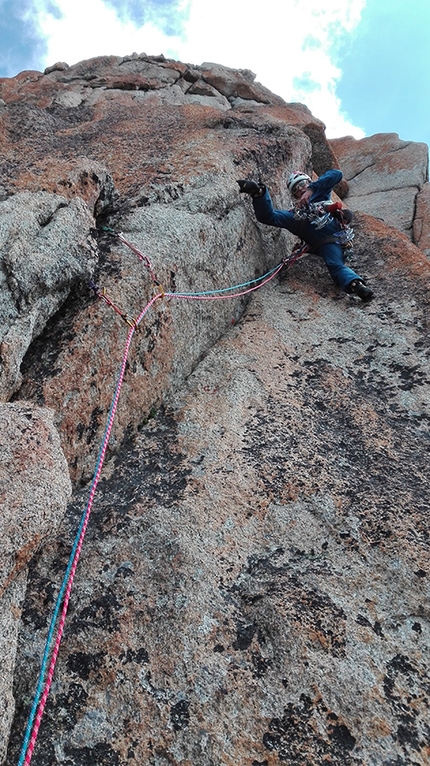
323, 186
284, 219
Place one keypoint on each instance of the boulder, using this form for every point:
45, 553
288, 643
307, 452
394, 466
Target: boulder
237, 83
421, 227
385, 175
34, 489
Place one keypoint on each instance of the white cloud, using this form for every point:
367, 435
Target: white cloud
75, 30
289, 44
284, 43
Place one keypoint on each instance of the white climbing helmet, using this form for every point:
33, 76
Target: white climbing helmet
296, 178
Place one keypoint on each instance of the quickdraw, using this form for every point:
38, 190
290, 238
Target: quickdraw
102, 295
316, 213
134, 249
319, 214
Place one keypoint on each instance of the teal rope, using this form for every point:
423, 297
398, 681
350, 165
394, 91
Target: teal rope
54, 618
228, 289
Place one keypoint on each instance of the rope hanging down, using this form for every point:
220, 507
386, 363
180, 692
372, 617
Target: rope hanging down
55, 633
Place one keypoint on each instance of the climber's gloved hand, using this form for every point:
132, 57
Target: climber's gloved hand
251, 187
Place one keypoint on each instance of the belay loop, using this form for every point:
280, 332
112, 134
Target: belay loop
299, 250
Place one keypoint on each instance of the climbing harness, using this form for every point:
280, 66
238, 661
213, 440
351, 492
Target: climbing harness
319, 214
56, 627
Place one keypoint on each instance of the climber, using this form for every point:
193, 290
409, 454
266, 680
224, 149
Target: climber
315, 218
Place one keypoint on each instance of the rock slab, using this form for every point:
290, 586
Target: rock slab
34, 490
385, 175
253, 587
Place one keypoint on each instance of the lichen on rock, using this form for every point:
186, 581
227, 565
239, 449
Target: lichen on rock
253, 584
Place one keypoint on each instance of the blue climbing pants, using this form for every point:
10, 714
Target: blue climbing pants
332, 253
333, 257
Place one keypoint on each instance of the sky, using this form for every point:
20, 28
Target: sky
361, 66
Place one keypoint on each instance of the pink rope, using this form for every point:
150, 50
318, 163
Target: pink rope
140, 255
62, 620
198, 297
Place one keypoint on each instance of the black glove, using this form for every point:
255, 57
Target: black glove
252, 188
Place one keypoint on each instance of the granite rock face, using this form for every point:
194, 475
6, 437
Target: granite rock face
35, 489
45, 248
421, 226
387, 178
181, 208
253, 586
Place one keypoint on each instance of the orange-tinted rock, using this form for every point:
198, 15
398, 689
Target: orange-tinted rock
385, 175
421, 228
253, 584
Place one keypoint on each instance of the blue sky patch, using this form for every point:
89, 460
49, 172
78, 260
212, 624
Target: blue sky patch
165, 14
20, 45
386, 69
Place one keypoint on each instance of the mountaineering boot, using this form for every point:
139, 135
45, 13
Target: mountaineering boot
357, 287
251, 187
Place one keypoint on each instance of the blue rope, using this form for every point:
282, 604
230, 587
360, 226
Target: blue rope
54, 618
60, 596
227, 289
